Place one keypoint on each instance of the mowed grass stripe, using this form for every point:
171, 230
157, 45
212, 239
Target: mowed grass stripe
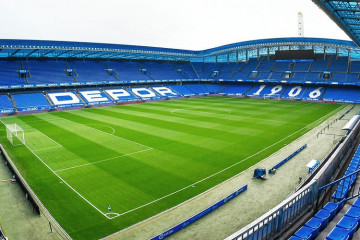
175, 135
194, 113
201, 128
260, 113
133, 181
278, 113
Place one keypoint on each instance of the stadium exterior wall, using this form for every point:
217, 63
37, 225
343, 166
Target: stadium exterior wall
32, 197
281, 217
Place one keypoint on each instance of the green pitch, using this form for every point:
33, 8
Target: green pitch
142, 159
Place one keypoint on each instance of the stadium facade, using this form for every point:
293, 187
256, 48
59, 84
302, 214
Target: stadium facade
236, 69
41, 76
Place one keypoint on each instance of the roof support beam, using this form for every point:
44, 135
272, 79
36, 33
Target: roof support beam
46, 53
35, 50
77, 53
63, 53
92, 53
15, 52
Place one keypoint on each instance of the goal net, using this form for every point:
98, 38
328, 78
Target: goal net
15, 134
272, 96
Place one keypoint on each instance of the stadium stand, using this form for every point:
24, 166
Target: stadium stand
186, 70
6, 105
120, 95
281, 66
301, 67
68, 99
351, 95
339, 64
347, 222
276, 75
144, 93
265, 65
95, 97
161, 70
9, 73
320, 64
126, 70
46, 72
233, 89
355, 67
182, 90
31, 102
250, 65
241, 75
87, 71
213, 88
171, 74
199, 89
165, 92
261, 90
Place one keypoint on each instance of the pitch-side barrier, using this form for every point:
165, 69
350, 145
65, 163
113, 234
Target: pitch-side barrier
280, 218
32, 197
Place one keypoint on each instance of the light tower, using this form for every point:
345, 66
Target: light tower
300, 25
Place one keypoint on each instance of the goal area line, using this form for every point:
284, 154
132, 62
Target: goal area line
114, 215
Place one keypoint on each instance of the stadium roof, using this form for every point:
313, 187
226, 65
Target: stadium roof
231, 52
345, 13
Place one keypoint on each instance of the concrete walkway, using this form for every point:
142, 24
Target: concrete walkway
260, 197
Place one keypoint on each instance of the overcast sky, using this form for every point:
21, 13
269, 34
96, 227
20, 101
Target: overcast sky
184, 24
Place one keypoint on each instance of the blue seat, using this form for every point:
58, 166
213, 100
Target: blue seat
354, 164
294, 238
324, 216
315, 224
338, 234
353, 212
357, 203
306, 233
332, 208
348, 223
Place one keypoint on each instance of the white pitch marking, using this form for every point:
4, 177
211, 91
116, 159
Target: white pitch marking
104, 160
113, 130
63, 179
107, 133
40, 149
48, 137
229, 112
156, 200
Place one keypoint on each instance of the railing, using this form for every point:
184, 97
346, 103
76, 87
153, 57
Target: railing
268, 226
280, 218
2, 236
346, 190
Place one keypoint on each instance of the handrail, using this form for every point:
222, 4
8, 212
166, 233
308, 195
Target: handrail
339, 180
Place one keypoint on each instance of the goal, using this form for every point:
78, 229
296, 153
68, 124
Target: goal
272, 96
15, 134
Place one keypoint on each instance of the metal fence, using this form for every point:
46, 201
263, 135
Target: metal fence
271, 224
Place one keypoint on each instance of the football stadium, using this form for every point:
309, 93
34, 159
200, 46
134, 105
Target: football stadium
251, 140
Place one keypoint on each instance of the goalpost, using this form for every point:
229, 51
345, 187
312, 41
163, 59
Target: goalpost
15, 134
272, 96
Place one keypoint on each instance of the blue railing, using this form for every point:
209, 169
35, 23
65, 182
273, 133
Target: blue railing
273, 169
199, 215
271, 224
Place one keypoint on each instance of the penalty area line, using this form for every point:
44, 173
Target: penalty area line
231, 166
106, 133
104, 160
67, 184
